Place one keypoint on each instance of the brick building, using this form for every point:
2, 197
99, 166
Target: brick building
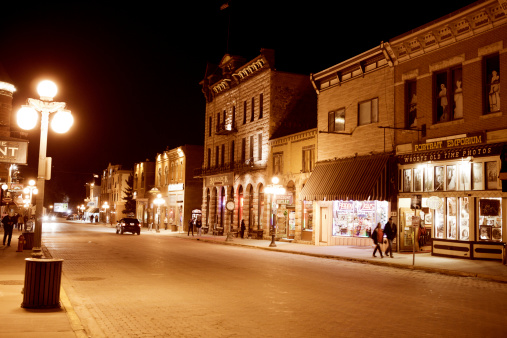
351, 188
112, 185
144, 181
247, 104
449, 90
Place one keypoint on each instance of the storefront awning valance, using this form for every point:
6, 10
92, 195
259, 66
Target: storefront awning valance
92, 210
357, 178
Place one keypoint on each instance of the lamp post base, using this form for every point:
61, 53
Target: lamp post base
272, 244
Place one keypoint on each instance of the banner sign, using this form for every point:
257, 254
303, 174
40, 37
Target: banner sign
13, 151
452, 154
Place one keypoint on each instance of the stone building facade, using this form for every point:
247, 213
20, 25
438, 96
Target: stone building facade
113, 184
144, 181
247, 104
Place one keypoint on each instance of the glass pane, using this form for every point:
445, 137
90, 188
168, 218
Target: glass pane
330, 121
365, 113
407, 180
439, 178
478, 176
464, 219
442, 103
439, 221
374, 110
492, 175
418, 179
451, 217
339, 122
428, 179
464, 176
451, 177
457, 94
490, 219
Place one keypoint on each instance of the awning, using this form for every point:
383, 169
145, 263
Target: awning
92, 210
355, 178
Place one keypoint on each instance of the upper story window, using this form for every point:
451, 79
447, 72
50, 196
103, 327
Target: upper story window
368, 112
209, 124
244, 112
209, 158
159, 176
253, 108
492, 83
259, 146
135, 182
277, 163
308, 159
411, 104
261, 104
251, 147
233, 117
448, 95
166, 175
336, 120
243, 149
217, 154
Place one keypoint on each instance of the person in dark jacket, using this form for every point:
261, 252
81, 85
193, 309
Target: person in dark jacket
377, 237
243, 228
190, 227
390, 231
9, 221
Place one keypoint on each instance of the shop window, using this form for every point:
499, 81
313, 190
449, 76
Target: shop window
492, 84
407, 180
368, 112
411, 104
464, 176
336, 120
448, 96
428, 179
307, 215
491, 175
451, 178
490, 219
478, 176
277, 163
439, 178
358, 218
418, 179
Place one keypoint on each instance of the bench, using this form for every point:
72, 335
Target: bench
218, 231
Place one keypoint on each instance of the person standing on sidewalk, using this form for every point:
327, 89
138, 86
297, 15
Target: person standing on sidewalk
390, 231
165, 222
190, 227
198, 225
377, 236
243, 228
8, 221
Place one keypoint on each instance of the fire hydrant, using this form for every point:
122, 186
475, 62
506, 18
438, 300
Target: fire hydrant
21, 243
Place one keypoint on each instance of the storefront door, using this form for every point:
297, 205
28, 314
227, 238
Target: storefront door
324, 225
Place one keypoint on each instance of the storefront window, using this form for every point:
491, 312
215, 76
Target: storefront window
464, 219
439, 221
358, 218
490, 219
307, 215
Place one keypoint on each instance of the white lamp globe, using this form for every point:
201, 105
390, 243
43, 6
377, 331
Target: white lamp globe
47, 89
27, 117
275, 180
62, 121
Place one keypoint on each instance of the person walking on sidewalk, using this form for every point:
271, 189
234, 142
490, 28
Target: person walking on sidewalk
377, 237
390, 231
198, 225
165, 222
190, 227
8, 222
243, 228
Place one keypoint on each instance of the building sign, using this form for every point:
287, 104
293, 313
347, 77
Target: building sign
452, 154
223, 179
14, 151
284, 199
367, 206
469, 140
346, 205
175, 187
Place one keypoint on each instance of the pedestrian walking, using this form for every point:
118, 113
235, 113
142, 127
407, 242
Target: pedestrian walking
243, 228
8, 221
96, 219
390, 231
198, 225
165, 222
377, 237
190, 227
21, 222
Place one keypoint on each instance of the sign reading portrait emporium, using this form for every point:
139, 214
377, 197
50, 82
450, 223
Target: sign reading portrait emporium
220, 180
13, 151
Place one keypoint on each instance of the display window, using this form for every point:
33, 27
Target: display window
307, 215
358, 218
490, 219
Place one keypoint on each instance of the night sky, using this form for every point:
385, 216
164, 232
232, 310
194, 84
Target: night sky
130, 74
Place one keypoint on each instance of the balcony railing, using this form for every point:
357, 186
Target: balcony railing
239, 166
226, 128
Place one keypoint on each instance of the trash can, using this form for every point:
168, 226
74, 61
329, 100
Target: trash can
28, 240
42, 283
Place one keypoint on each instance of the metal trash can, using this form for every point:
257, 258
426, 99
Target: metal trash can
42, 283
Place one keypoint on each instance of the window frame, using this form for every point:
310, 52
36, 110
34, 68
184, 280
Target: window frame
332, 116
450, 90
371, 120
486, 68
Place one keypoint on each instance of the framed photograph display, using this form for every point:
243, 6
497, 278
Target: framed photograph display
428, 179
418, 179
464, 176
407, 180
451, 176
491, 175
439, 178
485, 232
496, 234
464, 219
477, 176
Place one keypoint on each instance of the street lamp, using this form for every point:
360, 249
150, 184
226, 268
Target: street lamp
105, 206
158, 201
62, 120
30, 190
273, 190
82, 207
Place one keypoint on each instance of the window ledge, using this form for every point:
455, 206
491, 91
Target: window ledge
446, 124
490, 115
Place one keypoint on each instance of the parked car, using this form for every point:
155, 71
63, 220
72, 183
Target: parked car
71, 217
131, 225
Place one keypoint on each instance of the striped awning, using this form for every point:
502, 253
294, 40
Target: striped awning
356, 178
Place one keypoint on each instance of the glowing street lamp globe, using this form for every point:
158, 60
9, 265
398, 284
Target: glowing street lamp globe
62, 121
27, 117
47, 90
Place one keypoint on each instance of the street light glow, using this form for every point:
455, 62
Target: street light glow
47, 90
62, 121
27, 117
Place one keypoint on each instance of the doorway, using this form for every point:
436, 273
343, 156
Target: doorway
324, 225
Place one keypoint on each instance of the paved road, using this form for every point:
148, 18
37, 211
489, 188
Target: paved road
161, 286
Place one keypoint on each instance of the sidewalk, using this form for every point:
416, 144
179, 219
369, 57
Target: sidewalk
19, 322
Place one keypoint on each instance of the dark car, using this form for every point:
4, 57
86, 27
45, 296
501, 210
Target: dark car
128, 225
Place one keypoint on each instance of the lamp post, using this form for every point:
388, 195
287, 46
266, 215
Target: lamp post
30, 190
273, 190
158, 202
82, 207
105, 206
62, 120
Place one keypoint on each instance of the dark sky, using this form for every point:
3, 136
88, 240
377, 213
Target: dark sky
130, 74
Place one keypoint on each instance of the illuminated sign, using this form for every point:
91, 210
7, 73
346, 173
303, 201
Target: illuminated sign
14, 151
175, 187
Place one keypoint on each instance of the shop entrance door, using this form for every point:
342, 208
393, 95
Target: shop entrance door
324, 225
